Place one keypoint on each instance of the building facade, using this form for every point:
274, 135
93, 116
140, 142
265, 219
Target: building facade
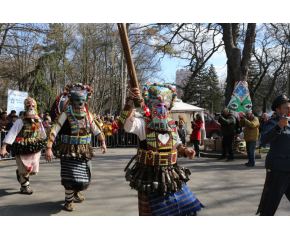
182, 76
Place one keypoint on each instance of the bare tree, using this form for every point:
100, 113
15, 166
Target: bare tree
238, 60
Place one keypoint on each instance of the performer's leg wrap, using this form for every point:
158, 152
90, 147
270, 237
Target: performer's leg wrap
24, 181
18, 176
69, 196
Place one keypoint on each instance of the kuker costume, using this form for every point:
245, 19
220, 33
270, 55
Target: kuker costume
76, 124
156, 175
30, 140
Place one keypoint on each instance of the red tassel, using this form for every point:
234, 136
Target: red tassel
147, 113
18, 139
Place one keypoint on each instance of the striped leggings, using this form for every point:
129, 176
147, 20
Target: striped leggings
69, 194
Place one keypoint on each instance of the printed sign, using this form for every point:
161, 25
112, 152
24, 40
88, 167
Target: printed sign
15, 101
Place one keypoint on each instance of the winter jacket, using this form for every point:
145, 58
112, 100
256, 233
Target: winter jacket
262, 123
195, 135
278, 154
251, 132
228, 124
115, 128
107, 129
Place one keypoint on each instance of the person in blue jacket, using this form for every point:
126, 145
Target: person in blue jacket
278, 157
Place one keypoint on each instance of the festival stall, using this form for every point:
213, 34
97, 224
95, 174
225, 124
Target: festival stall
187, 111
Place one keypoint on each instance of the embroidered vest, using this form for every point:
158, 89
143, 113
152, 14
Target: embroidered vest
78, 136
27, 130
161, 146
158, 140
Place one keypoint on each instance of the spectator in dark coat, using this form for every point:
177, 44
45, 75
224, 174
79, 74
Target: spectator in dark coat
228, 127
107, 118
4, 122
10, 125
9, 117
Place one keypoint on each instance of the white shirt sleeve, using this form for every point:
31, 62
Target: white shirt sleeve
137, 126
57, 127
12, 134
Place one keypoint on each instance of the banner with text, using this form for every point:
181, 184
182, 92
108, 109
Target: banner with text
15, 101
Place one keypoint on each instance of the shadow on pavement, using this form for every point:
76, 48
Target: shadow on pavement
37, 209
3, 192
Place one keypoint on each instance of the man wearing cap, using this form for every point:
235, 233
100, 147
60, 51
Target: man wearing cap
278, 158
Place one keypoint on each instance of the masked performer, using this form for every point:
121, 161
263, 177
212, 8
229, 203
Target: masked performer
76, 124
30, 140
157, 177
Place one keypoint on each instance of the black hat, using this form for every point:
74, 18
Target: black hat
279, 100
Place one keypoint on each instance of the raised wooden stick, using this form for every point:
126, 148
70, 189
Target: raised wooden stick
129, 60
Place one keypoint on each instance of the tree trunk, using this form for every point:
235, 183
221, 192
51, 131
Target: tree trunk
238, 65
230, 85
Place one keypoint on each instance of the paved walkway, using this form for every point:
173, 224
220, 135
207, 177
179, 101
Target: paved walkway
225, 189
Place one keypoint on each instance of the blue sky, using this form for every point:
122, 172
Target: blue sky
171, 65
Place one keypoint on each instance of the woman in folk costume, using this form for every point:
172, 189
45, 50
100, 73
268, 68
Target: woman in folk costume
156, 175
76, 124
27, 137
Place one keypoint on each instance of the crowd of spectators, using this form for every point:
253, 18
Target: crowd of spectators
113, 134
251, 126
108, 123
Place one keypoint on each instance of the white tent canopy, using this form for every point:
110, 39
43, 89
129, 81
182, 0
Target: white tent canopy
180, 106
186, 111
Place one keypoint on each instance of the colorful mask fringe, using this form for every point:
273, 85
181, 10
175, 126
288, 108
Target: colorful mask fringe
147, 86
30, 106
79, 95
159, 101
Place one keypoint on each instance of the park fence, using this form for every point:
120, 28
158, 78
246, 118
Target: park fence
119, 139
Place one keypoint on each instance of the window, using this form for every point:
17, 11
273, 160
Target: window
207, 118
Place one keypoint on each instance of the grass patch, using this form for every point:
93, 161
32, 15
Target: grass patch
263, 150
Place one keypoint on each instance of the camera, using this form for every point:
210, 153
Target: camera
192, 122
243, 117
